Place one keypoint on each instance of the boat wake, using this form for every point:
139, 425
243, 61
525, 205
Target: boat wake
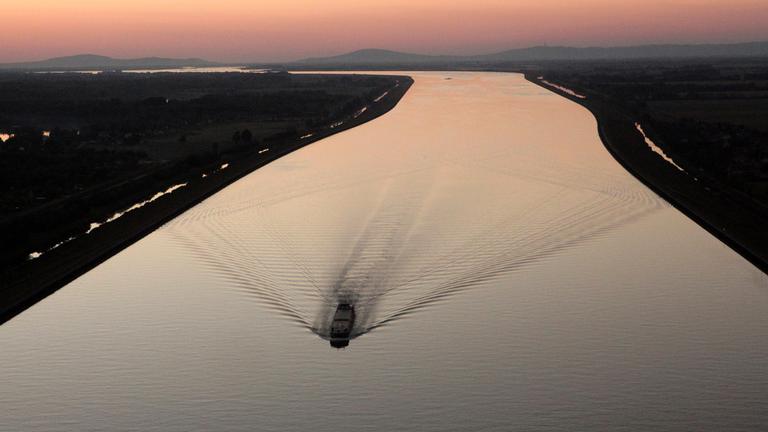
395, 245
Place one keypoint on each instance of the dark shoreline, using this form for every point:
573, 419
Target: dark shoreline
740, 228
37, 279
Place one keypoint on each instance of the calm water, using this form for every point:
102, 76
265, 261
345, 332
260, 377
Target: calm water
507, 275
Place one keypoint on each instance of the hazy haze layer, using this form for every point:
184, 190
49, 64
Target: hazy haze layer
269, 30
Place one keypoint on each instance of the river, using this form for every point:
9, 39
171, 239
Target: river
507, 274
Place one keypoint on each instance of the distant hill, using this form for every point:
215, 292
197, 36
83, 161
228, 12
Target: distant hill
750, 49
386, 57
91, 61
374, 56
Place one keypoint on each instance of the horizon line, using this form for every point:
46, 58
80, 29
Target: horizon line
318, 56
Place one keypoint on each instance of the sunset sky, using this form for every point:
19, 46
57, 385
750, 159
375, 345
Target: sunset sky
273, 30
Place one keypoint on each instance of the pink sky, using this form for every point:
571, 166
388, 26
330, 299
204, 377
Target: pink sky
270, 30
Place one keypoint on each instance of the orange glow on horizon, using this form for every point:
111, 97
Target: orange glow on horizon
267, 30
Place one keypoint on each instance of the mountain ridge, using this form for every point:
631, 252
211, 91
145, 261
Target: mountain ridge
95, 61
372, 54
541, 53
385, 57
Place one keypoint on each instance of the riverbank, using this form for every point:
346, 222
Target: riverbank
76, 148
36, 279
736, 225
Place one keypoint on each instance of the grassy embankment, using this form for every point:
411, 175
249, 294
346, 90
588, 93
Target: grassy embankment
727, 200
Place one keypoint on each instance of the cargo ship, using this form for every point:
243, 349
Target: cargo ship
342, 324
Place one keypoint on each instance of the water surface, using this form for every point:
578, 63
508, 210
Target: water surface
507, 274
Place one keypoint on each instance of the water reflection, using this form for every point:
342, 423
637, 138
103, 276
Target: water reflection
656, 149
115, 216
563, 89
188, 69
506, 273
